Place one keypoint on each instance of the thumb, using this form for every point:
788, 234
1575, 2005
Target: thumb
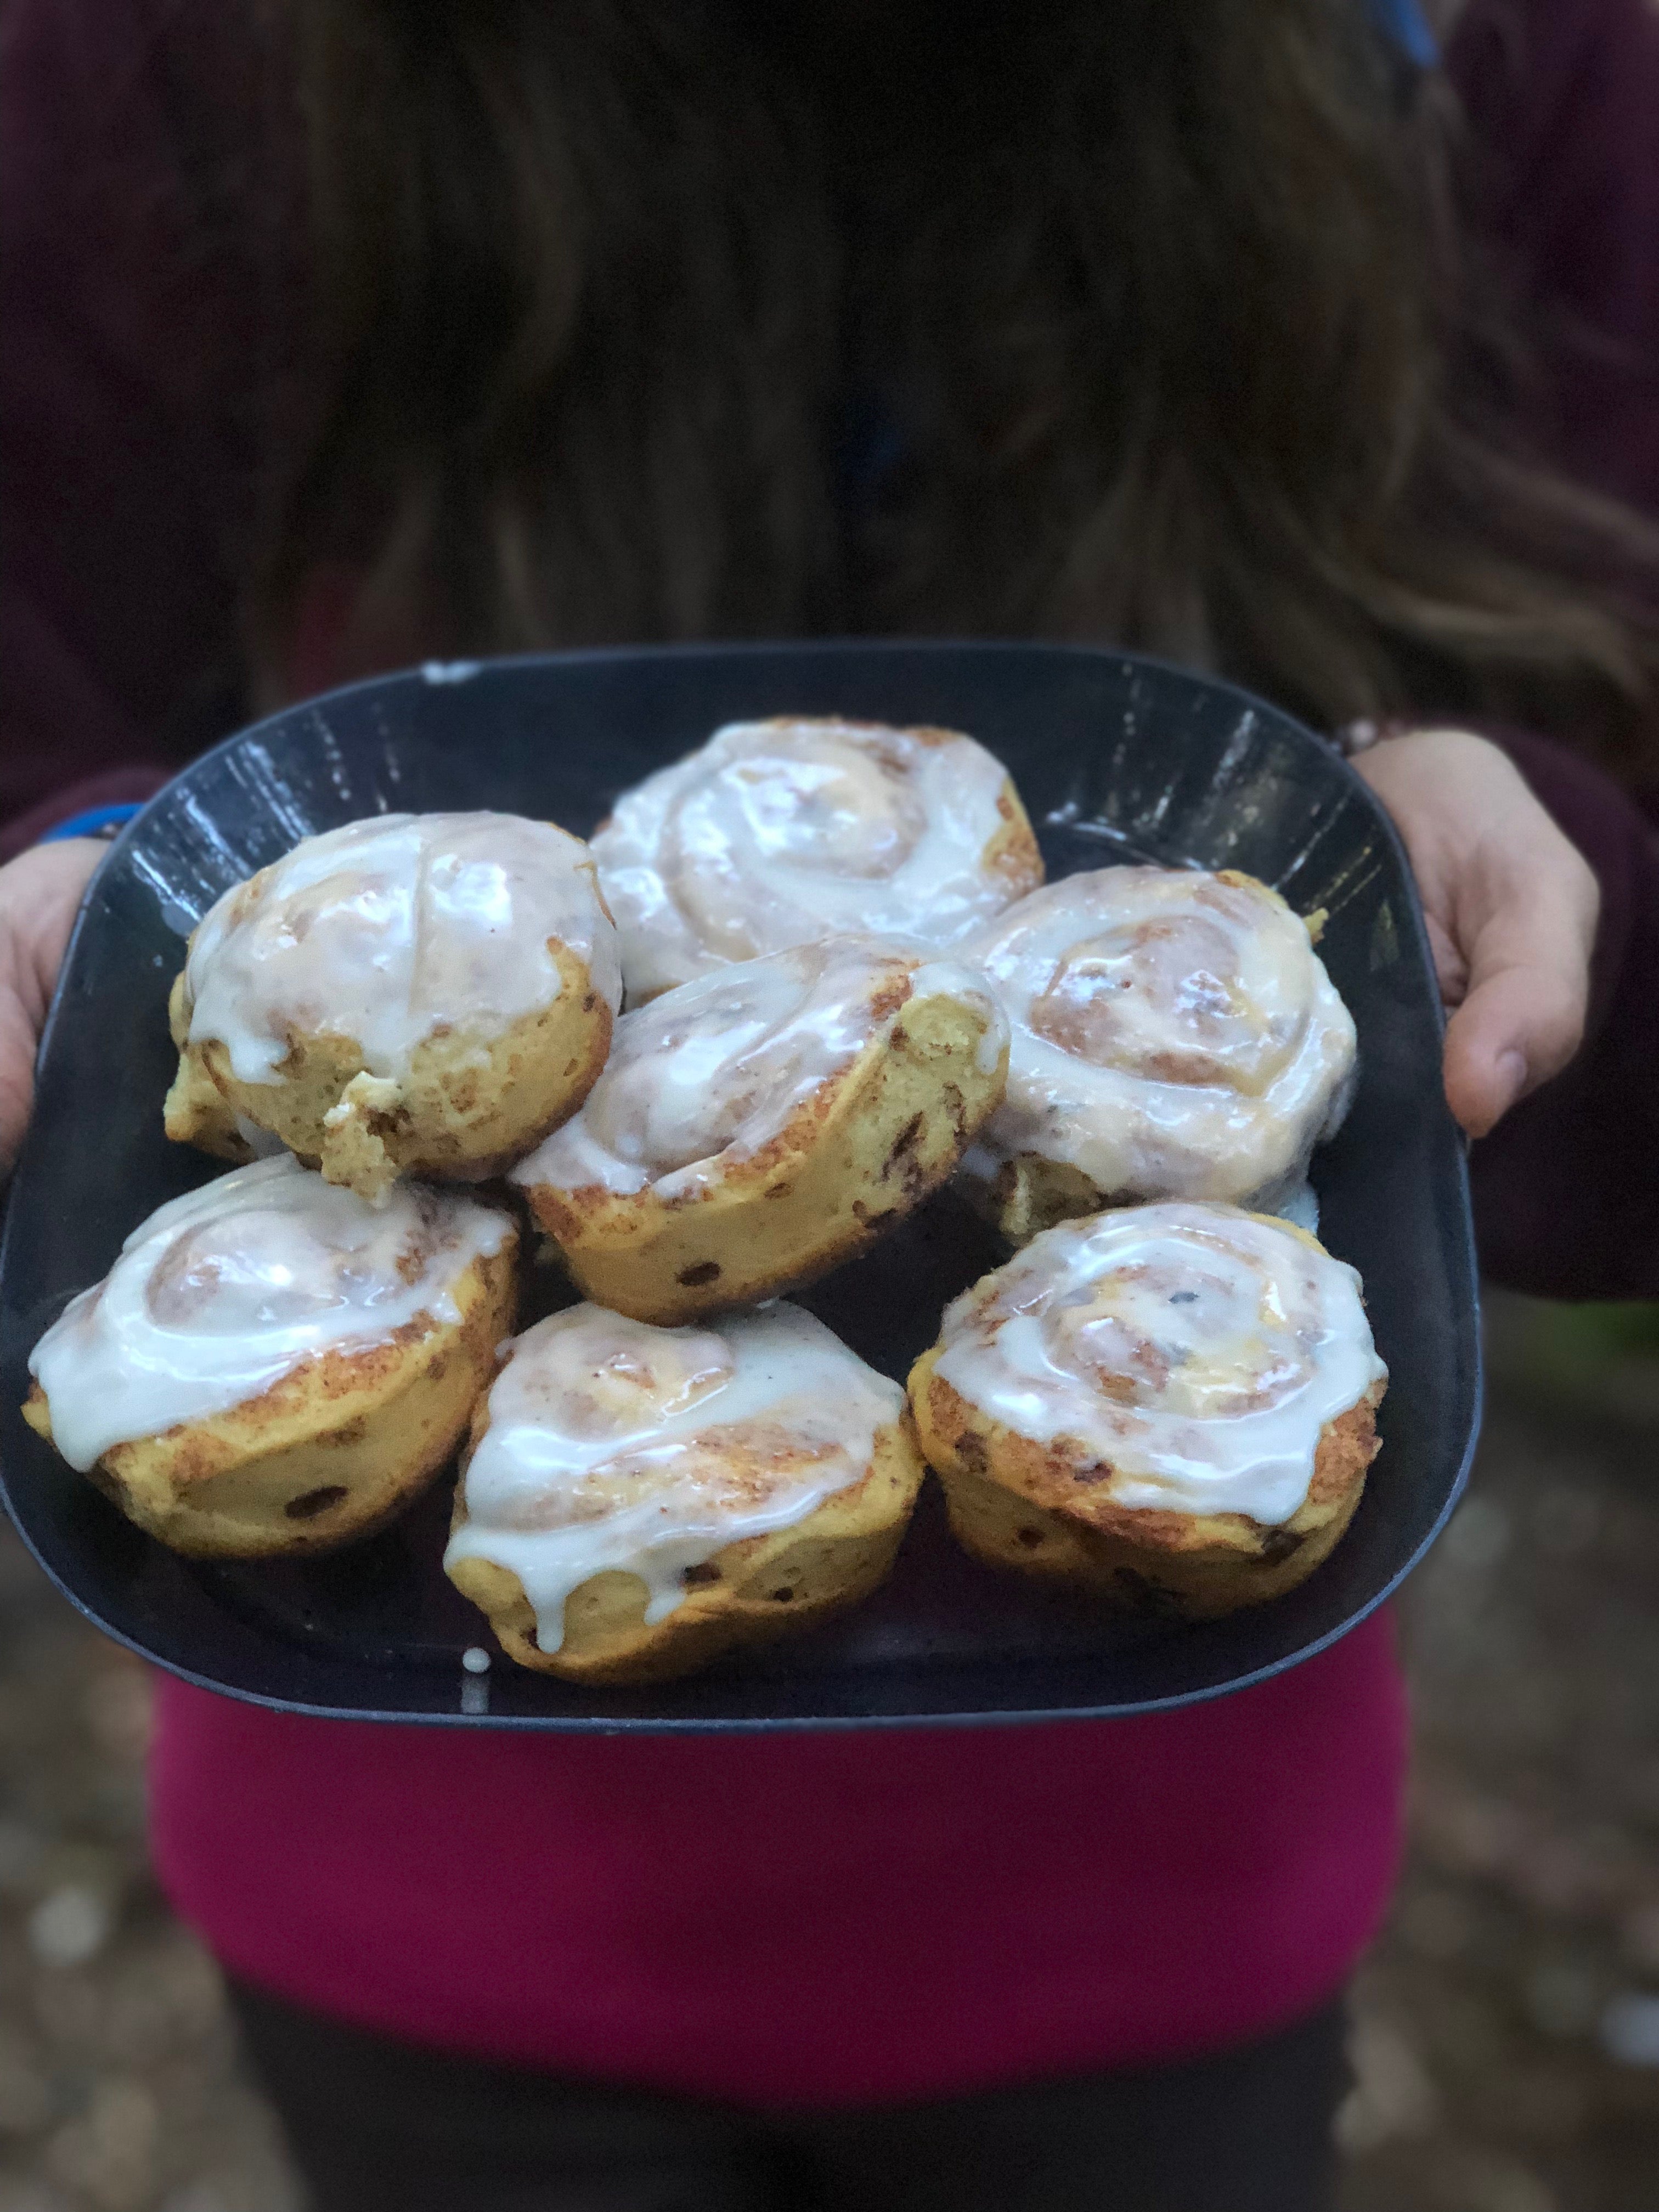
16, 1075
1523, 1015
40, 893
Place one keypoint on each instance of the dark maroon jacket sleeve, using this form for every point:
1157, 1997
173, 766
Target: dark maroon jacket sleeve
1566, 1187
1562, 98
126, 383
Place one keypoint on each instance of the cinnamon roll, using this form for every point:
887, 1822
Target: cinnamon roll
272, 1365
776, 833
1175, 1035
422, 994
637, 1500
754, 1128
1171, 1406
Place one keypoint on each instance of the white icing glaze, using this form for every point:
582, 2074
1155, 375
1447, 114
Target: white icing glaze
222, 1293
1173, 1036
1300, 1208
712, 1071
776, 833
1196, 1350
388, 929
260, 1142
613, 1445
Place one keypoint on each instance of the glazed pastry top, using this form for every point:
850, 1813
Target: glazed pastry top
1175, 1034
776, 833
1194, 1353
611, 1444
391, 929
222, 1293
716, 1068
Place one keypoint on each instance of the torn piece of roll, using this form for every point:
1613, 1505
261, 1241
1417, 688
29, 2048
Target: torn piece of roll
776, 833
757, 1127
272, 1365
1171, 1406
638, 1500
1175, 1035
421, 994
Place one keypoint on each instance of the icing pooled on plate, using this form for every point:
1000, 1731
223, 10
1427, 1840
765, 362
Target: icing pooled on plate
612, 1444
776, 833
1196, 1353
222, 1293
392, 928
715, 1068
1175, 1035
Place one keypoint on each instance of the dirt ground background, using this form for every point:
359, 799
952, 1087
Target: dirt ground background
1506, 2031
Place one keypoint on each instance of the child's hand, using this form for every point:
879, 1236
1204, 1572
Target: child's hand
1512, 909
40, 893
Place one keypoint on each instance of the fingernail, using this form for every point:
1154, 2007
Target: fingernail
1511, 1077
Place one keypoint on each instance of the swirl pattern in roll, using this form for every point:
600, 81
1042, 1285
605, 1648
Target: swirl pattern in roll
272, 1364
637, 1499
776, 833
415, 993
1176, 1400
757, 1126
1175, 1035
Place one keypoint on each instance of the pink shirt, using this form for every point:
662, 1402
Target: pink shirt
803, 1918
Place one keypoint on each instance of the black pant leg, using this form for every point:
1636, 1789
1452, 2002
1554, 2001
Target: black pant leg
1242, 2131
377, 2126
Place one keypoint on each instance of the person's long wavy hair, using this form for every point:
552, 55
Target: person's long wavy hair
1139, 320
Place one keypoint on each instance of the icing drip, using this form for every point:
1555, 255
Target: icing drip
388, 930
1195, 1351
1173, 1035
611, 1444
714, 1069
777, 833
222, 1293
1300, 1208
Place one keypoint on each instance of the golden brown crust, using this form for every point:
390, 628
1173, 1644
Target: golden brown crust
330, 1452
1046, 1510
851, 1162
468, 1107
1028, 1194
1012, 852
751, 1593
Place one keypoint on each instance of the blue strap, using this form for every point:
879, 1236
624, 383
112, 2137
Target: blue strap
95, 822
1405, 23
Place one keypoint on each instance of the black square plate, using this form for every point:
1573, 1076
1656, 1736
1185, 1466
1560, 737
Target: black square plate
1117, 759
